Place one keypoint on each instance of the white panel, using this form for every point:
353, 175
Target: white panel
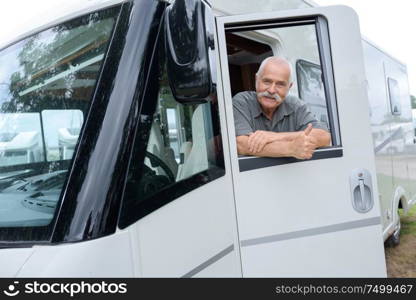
222, 268
293, 200
104, 257
246, 6
190, 230
11, 260
344, 257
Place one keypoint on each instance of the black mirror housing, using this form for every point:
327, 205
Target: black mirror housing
189, 44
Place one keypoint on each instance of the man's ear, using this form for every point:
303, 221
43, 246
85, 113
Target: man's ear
290, 85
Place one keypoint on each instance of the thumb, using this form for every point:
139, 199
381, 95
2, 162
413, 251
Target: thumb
308, 129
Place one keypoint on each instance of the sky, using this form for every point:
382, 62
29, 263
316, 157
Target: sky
16, 16
390, 24
387, 23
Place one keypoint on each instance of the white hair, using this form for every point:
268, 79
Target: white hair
280, 60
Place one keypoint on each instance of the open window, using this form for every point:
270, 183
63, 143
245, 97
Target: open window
304, 42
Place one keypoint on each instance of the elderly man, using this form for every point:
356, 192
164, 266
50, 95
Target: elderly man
270, 123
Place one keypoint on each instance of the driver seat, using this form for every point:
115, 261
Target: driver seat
197, 160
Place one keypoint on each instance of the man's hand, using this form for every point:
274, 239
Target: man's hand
258, 140
304, 144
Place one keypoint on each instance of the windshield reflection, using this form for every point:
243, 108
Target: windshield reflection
46, 83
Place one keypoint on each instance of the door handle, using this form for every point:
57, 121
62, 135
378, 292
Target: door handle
361, 190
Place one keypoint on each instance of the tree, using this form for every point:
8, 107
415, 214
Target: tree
54, 54
413, 101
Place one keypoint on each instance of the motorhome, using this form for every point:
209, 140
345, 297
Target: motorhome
138, 172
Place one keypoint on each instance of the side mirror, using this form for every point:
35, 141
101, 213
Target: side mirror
189, 40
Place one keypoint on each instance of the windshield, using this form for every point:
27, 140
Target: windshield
46, 83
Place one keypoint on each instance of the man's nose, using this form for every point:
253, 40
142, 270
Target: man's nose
272, 88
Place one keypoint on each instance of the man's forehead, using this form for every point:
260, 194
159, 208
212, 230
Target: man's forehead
276, 72
277, 65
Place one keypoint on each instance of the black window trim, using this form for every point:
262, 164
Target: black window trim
248, 163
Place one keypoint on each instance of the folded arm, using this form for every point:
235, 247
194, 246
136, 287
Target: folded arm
279, 148
300, 144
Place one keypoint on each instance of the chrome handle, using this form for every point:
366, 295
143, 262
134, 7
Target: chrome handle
361, 190
362, 193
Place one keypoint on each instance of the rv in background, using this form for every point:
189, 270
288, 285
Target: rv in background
136, 171
393, 136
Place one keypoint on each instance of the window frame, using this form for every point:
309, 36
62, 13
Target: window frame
247, 163
330, 113
131, 210
393, 99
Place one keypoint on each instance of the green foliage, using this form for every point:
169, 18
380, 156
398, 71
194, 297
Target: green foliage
413, 101
409, 222
44, 56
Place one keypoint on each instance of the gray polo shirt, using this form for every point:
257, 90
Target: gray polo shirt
292, 115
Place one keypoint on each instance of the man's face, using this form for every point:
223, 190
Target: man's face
274, 80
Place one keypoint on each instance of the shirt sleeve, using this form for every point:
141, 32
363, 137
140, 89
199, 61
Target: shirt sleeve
242, 122
304, 116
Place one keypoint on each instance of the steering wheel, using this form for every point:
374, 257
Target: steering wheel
157, 162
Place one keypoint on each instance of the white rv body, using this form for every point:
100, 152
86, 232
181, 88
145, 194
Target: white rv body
287, 220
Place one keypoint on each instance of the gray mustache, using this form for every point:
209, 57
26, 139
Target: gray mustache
267, 94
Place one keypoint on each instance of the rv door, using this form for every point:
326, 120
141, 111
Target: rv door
317, 217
